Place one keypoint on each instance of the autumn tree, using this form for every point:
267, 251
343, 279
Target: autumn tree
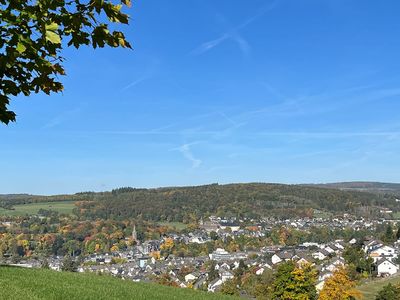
165, 279
168, 244
339, 287
34, 32
295, 282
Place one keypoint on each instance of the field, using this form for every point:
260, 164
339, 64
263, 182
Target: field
64, 207
18, 283
370, 288
177, 225
396, 215
322, 214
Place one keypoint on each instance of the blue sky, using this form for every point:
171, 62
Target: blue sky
219, 91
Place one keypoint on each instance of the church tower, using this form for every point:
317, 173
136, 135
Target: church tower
134, 233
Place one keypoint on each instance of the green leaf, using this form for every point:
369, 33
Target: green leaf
51, 27
53, 37
21, 47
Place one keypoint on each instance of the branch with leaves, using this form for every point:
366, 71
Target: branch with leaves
34, 32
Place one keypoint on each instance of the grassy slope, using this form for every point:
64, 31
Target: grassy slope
19, 283
64, 207
177, 225
371, 288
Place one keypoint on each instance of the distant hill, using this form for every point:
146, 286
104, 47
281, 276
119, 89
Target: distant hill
253, 200
244, 200
19, 283
364, 186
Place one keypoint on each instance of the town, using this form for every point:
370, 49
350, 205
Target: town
209, 254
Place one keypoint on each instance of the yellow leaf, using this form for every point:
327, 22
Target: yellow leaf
21, 47
53, 37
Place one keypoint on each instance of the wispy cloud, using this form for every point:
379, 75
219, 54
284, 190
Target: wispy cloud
147, 74
136, 82
186, 151
63, 117
329, 134
233, 33
321, 103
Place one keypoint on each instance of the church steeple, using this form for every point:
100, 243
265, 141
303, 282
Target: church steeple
134, 233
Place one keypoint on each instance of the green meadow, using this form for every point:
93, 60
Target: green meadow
64, 207
369, 289
177, 225
33, 284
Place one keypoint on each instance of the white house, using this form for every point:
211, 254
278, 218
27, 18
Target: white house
371, 245
352, 241
320, 254
226, 275
190, 277
281, 256
320, 285
266, 265
340, 245
335, 264
231, 225
220, 254
383, 251
385, 267
260, 271
197, 240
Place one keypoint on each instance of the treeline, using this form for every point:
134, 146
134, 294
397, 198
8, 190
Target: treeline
253, 200
8, 201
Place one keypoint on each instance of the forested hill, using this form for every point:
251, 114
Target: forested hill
249, 200
243, 200
365, 186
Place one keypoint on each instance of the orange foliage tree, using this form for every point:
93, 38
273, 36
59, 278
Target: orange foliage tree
339, 287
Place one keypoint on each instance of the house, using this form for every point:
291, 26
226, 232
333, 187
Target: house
320, 254
352, 241
266, 265
143, 261
229, 225
385, 267
198, 240
383, 251
225, 266
200, 282
340, 245
220, 254
225, 275
324, 275
149, 246
303, 261
56, 266
333, 265
208, 226
215, 285
190, 277
320, 285
332, 248
260, 271
281, 256
371, 245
